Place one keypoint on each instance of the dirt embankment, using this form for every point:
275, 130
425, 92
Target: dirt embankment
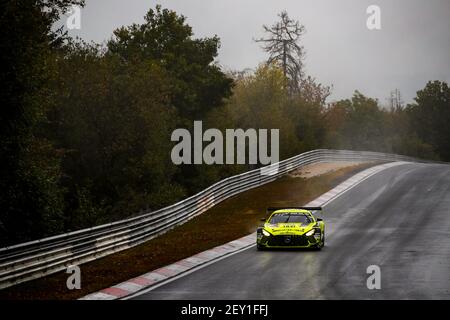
317, 169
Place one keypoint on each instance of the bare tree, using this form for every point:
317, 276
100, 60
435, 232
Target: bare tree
284, 49
395, 100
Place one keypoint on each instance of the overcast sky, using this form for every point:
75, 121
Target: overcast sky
412, 47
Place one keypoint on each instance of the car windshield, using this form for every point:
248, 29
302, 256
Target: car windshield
290, 217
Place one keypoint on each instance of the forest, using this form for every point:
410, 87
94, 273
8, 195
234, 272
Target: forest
85, 134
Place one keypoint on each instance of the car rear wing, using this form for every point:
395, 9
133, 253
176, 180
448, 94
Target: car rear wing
272, 209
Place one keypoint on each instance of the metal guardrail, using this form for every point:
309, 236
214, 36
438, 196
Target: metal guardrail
31, 260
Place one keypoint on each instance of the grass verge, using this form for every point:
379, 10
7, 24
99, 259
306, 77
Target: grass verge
229, 220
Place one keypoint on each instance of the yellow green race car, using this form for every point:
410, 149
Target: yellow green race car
294, 227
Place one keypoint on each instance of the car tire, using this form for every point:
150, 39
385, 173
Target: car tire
319, 246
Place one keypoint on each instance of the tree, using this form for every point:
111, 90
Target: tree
395, 100
356, 123
198, 84
430, 117
283, 48
30, 200
112, 122
261, 100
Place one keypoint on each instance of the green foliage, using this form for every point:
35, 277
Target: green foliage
361, 123
113, 122
85, 134
30, 202
85, 130
430, 117
261, 101
116, 108
197, 84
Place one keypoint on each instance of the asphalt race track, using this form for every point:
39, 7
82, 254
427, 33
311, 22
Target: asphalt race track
398, 219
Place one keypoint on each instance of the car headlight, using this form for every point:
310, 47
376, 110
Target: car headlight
310, 232
267, 234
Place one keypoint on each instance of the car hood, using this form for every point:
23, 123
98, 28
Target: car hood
288, 228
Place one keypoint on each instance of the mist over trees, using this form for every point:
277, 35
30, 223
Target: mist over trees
85, 134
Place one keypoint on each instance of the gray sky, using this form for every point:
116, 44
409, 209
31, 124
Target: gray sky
412, 47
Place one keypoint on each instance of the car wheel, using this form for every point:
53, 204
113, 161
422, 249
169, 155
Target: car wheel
320, 245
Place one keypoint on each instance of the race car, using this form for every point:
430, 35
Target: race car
293, 227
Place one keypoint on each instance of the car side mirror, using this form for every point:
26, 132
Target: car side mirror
319, 219
263, 219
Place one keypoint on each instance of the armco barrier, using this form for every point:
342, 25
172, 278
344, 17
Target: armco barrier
38, 258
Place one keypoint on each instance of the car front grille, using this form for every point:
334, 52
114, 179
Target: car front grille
287, 241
